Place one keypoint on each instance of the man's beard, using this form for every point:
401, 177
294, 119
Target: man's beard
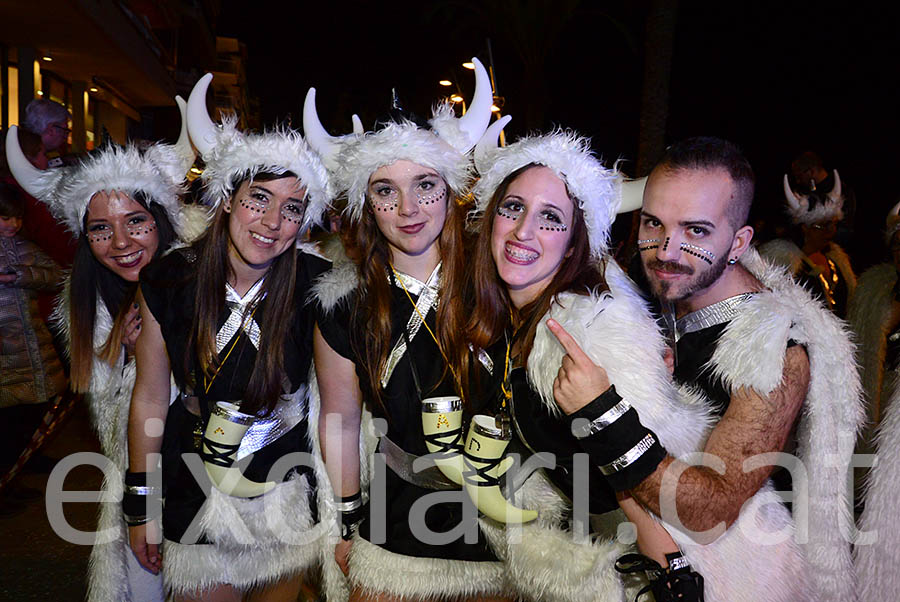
662, 288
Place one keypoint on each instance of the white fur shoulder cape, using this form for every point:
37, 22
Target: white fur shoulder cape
869, 314
785, 253
877, 553
617, 332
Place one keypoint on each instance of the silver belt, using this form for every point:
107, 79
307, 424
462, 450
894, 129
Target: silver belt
401, 462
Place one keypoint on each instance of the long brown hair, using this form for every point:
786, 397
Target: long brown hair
368, 248
493, 311
90, 279
213, 266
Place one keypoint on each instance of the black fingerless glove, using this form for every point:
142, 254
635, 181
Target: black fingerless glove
610, 431
140, 502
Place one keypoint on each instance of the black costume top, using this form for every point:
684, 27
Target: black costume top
403, 413
536, 430
168, 286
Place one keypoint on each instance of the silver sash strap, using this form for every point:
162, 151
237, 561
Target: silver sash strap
428, 298
717, 313
286, 415
240, 308
401, 462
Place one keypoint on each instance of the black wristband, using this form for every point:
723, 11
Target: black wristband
352, 510
140, 502
610, 431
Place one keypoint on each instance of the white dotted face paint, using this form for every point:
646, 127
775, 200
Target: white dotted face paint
431, 190
293, 212
384, 198
648, 244
548, 219
705, 255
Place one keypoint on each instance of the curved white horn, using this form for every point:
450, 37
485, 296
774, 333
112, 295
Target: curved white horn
489, 143
442, 426
183, 146
358, 128
200, 126
224, 431
321, 141
835, 194
477, 118
22, 170
789, 195
485, 445
632, 194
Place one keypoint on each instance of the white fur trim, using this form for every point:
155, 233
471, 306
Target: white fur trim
256, 541
157, 172
569, 155
335, 284
870, 315
361, 156
238, 155
750, 354
376, 570
878, 563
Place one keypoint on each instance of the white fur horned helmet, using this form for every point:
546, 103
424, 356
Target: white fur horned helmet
158, 172
829, 208
601, 192
230, 155
443, 148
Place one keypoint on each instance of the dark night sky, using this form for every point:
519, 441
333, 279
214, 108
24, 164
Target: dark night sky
775, 77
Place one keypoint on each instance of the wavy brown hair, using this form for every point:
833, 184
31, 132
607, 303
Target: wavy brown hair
371, 315
493, 311
89, 280
213, 266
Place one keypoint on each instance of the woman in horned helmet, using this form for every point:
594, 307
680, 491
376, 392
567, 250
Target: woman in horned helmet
226, 316
123, 206
385, 326
545, 207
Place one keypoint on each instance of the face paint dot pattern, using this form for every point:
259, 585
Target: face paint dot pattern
707, 256
648, 244
666, 244
292, 213
141, 229
385, 202
507, 212
431, 196
253, 205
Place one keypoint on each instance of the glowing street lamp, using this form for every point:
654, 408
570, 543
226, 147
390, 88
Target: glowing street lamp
456, 98
445, 82
469, 65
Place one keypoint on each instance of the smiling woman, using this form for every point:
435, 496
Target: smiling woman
226, 317
123, 205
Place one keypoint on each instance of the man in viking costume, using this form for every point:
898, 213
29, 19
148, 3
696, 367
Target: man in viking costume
818, 262
777, 369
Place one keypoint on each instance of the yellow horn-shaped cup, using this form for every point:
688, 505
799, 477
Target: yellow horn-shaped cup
442, 425
221, 441
484, 449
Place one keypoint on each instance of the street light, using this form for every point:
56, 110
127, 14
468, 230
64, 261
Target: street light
445, 82
469, 65
456, 98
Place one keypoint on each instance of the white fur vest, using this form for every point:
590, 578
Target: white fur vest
617, 332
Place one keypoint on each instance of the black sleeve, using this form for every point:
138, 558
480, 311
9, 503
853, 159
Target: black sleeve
334, 324
161, 281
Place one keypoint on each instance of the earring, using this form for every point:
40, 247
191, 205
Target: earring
732, 261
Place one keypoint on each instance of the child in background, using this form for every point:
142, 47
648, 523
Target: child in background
31, 373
